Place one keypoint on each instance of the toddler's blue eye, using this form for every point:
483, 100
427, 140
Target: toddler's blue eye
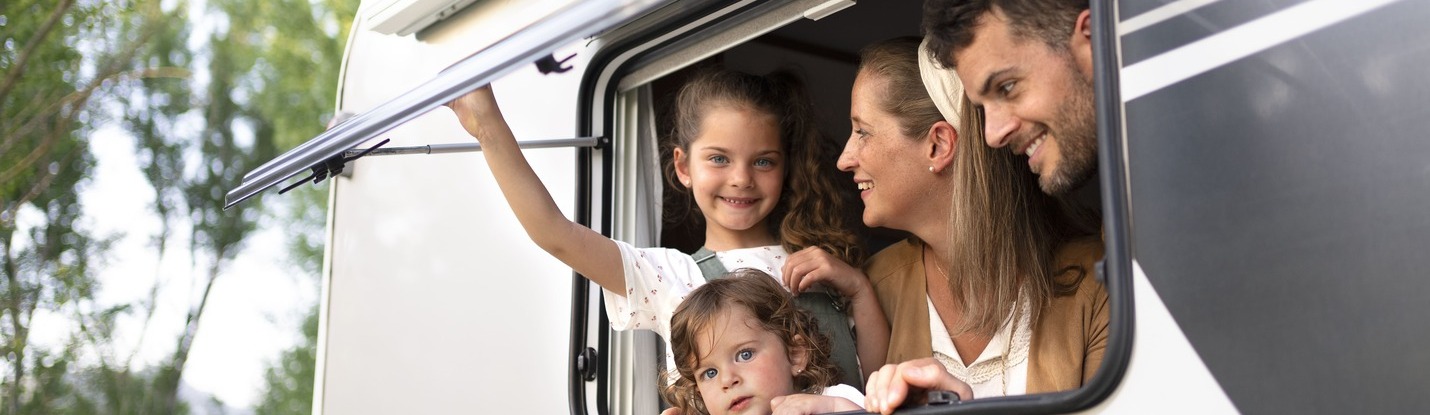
708, 374
745, 355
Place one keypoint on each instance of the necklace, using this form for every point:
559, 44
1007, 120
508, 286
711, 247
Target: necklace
1008, 339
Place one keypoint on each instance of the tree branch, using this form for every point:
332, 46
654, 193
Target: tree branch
76, 100
191, 330
12, 395
40, 35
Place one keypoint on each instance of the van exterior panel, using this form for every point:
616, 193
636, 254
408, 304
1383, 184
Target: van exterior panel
1279, 208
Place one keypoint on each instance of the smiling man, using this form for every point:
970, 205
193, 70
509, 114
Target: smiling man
1027, 64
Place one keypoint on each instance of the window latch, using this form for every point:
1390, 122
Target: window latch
548, 64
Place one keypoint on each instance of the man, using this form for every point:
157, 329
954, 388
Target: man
1028, 65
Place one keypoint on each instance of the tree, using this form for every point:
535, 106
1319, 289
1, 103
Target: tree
76, 66
47, 101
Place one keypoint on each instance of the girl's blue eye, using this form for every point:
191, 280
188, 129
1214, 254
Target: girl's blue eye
708, 374
764, 163
719, 159
745, 355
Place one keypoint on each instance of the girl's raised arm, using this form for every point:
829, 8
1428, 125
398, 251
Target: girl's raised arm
585, 251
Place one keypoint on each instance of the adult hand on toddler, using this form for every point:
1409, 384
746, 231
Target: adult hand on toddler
803, 404
891, 385
815, 265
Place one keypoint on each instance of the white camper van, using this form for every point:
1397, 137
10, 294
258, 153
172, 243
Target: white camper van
1265, 185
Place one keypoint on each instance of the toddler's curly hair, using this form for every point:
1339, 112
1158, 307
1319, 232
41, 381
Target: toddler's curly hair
777, 313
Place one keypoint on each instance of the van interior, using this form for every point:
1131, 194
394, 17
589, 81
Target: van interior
825, 54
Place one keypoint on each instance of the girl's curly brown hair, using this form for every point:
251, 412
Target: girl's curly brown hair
769, 303
811, 209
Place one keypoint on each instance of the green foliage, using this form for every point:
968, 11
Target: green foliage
289, 383
68, 68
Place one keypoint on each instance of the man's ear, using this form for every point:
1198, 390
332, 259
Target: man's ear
1080, 43
682, 167
798, 355
942, 140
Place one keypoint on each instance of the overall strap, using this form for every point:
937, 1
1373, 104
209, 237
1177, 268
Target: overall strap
710, 266
828, 312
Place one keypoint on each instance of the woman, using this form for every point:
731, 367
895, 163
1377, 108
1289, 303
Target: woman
991, 286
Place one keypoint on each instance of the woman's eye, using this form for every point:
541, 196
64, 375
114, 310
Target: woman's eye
1007, 87
708, 374
744, 355
719, 159
861, 133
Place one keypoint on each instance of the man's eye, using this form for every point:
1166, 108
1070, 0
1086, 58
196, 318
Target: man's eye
744, 356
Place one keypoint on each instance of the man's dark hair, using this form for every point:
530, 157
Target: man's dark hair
949, 24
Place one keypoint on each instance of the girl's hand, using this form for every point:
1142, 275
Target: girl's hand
803, 403
476, 110
891, 385
814, 265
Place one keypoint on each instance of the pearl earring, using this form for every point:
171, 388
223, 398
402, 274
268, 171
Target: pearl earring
931, 169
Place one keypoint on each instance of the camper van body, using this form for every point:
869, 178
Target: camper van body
1243, 194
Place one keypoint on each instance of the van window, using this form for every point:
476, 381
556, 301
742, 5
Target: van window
642, 92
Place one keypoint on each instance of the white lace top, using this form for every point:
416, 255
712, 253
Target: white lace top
989, 371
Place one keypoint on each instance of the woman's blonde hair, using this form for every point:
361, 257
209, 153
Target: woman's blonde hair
1004, 229
776, 312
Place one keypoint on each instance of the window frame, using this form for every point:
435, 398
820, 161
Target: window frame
598, 92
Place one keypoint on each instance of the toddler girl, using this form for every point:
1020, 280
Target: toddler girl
742, 346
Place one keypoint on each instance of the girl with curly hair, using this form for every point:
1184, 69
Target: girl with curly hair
742, 346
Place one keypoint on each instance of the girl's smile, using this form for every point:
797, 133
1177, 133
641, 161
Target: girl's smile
735, 170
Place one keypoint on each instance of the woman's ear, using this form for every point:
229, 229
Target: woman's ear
942, 139
682, 166
798, 355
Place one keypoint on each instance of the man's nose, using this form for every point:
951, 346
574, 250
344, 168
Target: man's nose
999, 126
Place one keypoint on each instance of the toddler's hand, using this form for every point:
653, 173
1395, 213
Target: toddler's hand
803, 403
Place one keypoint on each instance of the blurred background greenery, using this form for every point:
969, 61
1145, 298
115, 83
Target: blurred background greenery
206, 91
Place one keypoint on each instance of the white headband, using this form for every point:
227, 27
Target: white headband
943, 86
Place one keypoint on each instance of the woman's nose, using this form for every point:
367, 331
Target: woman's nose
846, 158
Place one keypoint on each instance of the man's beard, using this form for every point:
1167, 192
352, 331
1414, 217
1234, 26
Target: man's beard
1076, 132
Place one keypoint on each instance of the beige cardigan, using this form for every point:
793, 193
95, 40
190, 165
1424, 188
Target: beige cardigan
1069, 337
